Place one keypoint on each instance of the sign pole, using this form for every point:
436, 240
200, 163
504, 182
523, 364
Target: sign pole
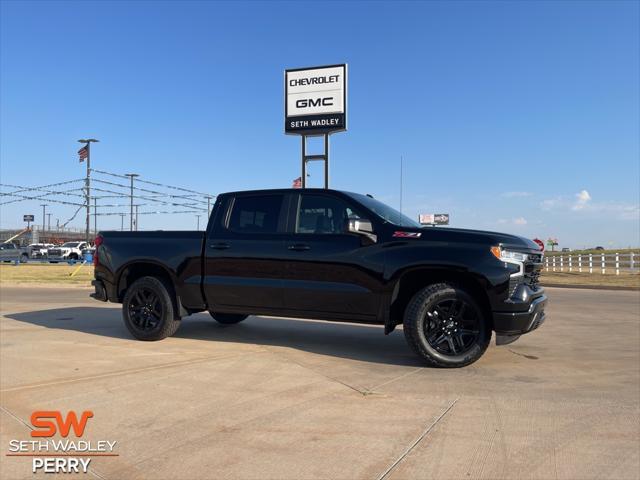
326, 160
304, 160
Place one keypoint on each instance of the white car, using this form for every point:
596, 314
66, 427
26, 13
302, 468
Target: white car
67, 251
39, 250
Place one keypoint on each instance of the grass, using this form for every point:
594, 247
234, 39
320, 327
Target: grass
54, 274
591, 279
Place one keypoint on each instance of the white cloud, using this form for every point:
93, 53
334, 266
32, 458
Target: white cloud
583, 203
516, 194
582, 200
514, 221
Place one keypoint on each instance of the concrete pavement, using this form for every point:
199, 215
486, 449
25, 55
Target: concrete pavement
283, 398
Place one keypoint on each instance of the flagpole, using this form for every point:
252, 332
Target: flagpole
87, 185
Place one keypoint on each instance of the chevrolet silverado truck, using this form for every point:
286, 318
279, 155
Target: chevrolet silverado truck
328, 255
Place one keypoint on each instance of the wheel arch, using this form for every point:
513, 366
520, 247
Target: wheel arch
414, 279
136, 269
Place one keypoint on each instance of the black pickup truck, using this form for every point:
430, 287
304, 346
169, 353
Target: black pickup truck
330, 255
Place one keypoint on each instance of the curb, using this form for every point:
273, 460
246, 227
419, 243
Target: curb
592, 287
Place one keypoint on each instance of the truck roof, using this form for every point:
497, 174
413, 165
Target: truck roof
286, 190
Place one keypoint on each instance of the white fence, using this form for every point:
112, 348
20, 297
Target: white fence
603, 263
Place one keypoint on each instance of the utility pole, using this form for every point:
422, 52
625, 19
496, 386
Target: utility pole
87, 182
131, 176
400, 183
122, 215
48, 222
208, 205
198, 217
137, 217
95, 215
44, 215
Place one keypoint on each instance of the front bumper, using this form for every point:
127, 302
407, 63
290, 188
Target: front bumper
510, 325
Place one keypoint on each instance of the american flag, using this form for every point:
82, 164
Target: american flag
84, 153
297, 183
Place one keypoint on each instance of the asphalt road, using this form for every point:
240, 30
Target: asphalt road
293, 399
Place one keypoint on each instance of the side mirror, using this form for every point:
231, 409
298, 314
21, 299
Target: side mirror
362, 227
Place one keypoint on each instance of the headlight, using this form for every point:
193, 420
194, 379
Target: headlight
508, 255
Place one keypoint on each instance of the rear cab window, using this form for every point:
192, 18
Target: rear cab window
256, 214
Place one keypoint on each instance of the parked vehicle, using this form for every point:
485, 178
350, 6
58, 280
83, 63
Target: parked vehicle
9, 252
67, 251
599, 248
38, 250
329, 255
565, 249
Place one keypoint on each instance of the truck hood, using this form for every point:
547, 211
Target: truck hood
467, 236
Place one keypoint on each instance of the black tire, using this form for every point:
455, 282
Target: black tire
445, 326
148, 311
24, 258
228, 318
73, 256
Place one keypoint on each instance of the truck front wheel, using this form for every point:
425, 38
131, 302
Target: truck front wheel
445, 326
147, 310
228, 318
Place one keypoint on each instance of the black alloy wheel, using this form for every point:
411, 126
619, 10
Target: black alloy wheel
445, 325
452, 327
145, 309
148, 309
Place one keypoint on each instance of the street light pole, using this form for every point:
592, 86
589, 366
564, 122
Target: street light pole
87, 183
122, 215
44, 215
131, 176
198, 217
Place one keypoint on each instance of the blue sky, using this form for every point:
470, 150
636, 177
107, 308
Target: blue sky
513, 116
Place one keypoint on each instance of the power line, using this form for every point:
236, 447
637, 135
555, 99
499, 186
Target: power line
163, 194
194, 192
25, 197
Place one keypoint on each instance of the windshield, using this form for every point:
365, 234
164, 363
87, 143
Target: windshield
385, 212
70, 244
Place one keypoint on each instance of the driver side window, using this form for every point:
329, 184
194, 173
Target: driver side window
320, 214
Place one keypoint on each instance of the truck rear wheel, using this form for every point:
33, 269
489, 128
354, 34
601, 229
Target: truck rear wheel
147, 310
228, 318
445, 326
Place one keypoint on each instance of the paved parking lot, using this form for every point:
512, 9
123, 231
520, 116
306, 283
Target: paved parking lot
294, 399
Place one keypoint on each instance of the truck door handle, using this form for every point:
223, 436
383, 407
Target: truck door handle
299, 247
220, 246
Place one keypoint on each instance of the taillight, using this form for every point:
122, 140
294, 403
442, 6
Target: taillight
98, 241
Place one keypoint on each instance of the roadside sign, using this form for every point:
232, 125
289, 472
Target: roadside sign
28, 218
434, 218
426, 219
441, 218
315, 100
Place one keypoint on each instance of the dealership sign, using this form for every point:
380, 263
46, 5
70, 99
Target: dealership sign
434, 218
315, 100
27, 218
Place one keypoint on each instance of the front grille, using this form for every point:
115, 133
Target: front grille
532, 270
530, 275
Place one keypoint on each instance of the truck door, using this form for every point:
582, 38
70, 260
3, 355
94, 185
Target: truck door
329, 270
244, 254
